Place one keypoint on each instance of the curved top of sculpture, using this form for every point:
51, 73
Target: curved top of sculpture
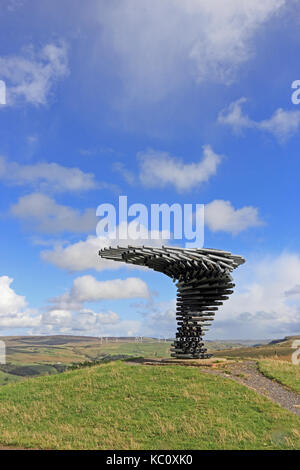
175, 262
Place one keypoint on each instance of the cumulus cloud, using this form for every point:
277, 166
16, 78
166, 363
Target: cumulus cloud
67, 314
46, 176
45, 215
220, 215
13, 311
260, 308
294, 291
57, 316
83, 255
20, 320
234, 116
161, 45
84, 321
10, 302
31, 75
120, 168
79, 256
159, 318
159, 169
282, 124
89, 289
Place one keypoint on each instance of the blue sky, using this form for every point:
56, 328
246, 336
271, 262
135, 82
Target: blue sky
122, 98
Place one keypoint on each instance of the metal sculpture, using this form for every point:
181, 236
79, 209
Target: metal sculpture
203, 279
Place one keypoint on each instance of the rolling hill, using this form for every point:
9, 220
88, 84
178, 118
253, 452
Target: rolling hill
125, 406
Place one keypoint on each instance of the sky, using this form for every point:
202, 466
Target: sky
173, 101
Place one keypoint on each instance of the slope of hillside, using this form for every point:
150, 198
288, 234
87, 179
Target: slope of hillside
281, 348
284, 372
123, 406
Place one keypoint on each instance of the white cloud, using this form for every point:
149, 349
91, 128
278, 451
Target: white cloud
13, 312
108, 318
45, 215
46, 176
160, 320
159, 169
31, 75
123, 328
82, 322
124, 172
282, 124
79, 256
10, 302
234, 116
20, 320
57, 316
161, 45
260, 308
83, 255
91, 321
66, 314
294, 291
88, 289
32, 139
220, 215
13, 5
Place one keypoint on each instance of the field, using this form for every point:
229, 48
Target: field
42, 355
123, 406
29, 356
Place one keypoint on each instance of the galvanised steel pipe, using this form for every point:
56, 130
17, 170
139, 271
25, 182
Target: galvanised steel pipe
203, 280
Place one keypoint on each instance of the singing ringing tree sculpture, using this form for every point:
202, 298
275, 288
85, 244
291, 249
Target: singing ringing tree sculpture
203, 279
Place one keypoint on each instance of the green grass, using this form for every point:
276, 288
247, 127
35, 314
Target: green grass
6, 378
122, 406
145, 349
260, 352
284, 372
27, 370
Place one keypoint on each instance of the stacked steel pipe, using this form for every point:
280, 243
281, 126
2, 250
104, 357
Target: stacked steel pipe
203, 280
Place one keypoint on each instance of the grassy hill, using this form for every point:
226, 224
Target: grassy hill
124, 406
281, 349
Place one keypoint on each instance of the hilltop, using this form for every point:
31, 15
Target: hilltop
123, 406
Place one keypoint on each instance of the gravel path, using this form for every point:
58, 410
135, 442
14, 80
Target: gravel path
248, 374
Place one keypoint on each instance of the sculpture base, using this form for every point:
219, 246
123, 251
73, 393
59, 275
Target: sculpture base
190, 356
193, 348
